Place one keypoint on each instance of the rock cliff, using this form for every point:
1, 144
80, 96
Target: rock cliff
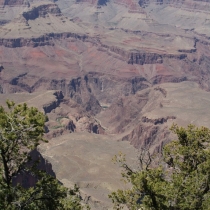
25, 178
119, 69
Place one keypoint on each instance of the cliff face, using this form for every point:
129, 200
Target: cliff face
13, 2
94, 2
165, 55
168, 58
78, 90
119, 70
101, 58
55, 103
199, 4
145, 118
43, 40
42, 11
25, 178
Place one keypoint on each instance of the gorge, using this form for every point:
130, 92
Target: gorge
111, 75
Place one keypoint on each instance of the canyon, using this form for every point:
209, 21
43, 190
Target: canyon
111, 75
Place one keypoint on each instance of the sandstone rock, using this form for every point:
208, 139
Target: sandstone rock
25, 178
118, 69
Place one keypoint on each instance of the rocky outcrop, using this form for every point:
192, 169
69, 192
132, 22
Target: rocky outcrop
82, 123
94, 2
158, 120
131, 4
96, 128
68, 124
78, 90
43, 40
138, 83
16, 81
104, 87
145, 135
106, 62
167, 78
143, 57
27, 179
102, 2
163, 91
188, 4
55, 103
14, 2
1, 68
142, 136
42, 10
151, 58
55, 133
87, 1
121, 115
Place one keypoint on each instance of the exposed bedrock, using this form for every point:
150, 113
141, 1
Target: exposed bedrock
42, 11
125, 117
102, 2
198, 4
130, 56
71, 117
109, 88
96, 128
120, 68
25, 178
138, 57
145, 118
52, 105
144, 135
14, 2
1, 68
143, 57
123, 112
66, 126
87, 90
158, 120
78, 90
167, 78
91, 89
97, 2
151, 58
39, 41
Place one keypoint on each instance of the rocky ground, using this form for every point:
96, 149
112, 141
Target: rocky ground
109, 74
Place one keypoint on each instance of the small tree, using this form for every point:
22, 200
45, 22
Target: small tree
180, 181
21, 131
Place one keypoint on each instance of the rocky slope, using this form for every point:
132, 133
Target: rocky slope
146, 117
119, 69
25, 178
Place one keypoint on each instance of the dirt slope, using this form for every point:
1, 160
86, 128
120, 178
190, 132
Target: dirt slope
105, 71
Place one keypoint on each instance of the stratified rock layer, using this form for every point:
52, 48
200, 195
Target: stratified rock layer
119, 69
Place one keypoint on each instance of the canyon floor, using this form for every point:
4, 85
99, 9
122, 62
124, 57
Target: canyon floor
111, 75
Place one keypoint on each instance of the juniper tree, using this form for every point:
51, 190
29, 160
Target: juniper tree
21, 131
181, 180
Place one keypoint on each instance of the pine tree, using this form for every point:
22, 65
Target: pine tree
21, 131
180, 181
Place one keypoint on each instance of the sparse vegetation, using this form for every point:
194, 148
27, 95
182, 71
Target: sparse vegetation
59, 118
57, 126
180, 180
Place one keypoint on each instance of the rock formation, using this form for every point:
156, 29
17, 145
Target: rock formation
119, 69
